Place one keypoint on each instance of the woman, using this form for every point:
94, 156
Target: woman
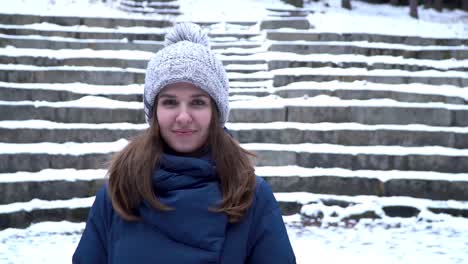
184, 191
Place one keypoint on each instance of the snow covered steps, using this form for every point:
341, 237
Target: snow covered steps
372, 49
281, 77
347, 134
95, 109
304, 35
313, 206
359, 90
104, 22
94, 155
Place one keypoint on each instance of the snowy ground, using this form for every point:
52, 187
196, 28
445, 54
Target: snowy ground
391, 240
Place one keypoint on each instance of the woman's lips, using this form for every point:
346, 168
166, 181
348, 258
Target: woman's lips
184, 132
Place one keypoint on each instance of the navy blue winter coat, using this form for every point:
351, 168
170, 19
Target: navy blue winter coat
190, 234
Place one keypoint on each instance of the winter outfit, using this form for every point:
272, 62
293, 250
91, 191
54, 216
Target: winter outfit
191, 233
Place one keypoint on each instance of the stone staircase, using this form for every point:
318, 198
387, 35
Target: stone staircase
336, 119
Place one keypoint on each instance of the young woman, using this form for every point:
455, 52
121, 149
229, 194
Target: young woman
185, 191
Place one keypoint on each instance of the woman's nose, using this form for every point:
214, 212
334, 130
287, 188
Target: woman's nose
183, 116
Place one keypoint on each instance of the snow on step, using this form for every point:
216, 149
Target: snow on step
364, 72
267, 56
263, 171
76, 149
357, 150
421, 203
367, 44
83, 28
80, 88
339, 58
70, 175
68, 148
42, 124
45, 124
41, 204
76, 53
267, 102
382, 175
415, 88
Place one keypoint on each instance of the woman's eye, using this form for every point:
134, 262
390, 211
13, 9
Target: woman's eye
198, 102
169, 102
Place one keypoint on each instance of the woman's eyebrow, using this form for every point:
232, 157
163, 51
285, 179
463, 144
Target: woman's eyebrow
200, 95
167, 95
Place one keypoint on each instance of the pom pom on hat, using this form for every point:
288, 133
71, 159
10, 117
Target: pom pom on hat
186, 32
187, 57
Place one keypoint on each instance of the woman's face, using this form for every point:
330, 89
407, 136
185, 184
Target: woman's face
184, 113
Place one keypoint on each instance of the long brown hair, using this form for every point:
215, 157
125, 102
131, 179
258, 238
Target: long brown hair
131, 170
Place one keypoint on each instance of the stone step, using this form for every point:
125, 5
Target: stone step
372, 49
58, 92
56, 43
314, 206
150, 10
163, 5
40, 156
282, 77
94, 109
105, 22
85, 32
369, 63
139, 59
22, 215
94, 75
52, 184
289, 22
304, 35
348, 134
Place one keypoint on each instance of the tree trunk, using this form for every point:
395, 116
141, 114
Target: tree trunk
438, 5
427, 3
465, 5
394, 2
346, 4
414, 8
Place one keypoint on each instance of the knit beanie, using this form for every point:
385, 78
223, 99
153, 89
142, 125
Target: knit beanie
187, 57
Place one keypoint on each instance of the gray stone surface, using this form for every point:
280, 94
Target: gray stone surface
103, 77
71, 43
431, 189
281, 64
23, 19
22, 219
322, 36
284, 79
433, 54
37, 162
400, 211
365, 93
12, 192
290, 22
35, 94
378, 115
450, 164
283, 136
363, 115
84, 35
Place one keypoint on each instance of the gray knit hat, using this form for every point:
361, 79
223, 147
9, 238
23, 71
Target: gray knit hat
187, 57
